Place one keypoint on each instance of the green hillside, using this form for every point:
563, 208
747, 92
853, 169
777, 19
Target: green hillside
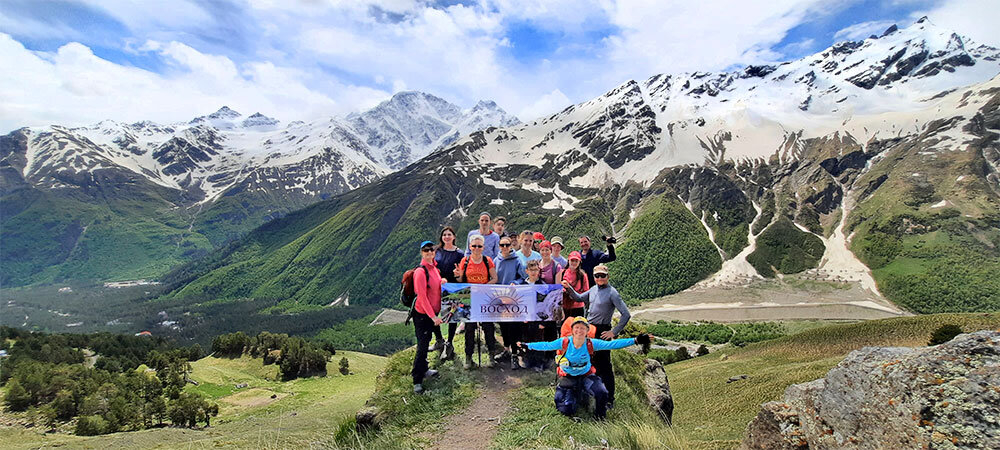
302, 412
356, 244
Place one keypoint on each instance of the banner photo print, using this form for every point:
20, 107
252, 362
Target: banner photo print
463, 302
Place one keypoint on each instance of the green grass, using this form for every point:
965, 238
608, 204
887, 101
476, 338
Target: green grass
412, 418
307, 410
710, 413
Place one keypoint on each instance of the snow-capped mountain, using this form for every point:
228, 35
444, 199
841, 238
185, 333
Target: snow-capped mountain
866, 88
873, 162
219, 151
215, 176
410, 125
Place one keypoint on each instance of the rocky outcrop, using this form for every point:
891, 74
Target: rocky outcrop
654, 383
946, 396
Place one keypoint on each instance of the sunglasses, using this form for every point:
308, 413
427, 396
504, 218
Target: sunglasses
600, 275
538, 241
476, 246
427, 249
505, 245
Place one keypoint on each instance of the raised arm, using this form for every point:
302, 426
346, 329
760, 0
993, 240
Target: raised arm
546, 346
623, 309
609, 256
601, 344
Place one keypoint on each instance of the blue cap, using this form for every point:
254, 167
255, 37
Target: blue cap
422, 244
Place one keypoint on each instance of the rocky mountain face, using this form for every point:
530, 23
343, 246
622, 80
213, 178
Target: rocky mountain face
800, 168
195, 185
410, 125
933, 397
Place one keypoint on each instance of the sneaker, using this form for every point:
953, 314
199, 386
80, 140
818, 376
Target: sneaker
448, 352
438, 346
513, 363
418, 389
431, 373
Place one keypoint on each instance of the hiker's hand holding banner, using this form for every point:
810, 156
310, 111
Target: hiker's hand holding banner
463, 302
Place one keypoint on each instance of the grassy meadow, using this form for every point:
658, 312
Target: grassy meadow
302, 413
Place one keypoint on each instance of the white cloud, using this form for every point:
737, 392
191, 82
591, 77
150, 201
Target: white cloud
546, 104
862, 30
72, 86
976, 19
305, 57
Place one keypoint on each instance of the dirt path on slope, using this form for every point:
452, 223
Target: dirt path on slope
477, 424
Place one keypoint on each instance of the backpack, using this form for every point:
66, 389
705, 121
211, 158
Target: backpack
408, 292
567, 328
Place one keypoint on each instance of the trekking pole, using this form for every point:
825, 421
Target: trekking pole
479, 349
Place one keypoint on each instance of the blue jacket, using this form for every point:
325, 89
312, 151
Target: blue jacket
577, 360
594, 257
509, 269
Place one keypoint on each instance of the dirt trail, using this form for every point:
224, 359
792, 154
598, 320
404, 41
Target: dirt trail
485, 412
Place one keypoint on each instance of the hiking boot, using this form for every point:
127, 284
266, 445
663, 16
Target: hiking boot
513, 363
418, 389
467, 365
438, 346
431, 373
448, 352
505, 354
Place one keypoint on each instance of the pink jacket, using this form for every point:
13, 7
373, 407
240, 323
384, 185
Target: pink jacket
428, 294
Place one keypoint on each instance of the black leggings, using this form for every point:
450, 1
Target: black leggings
451, 332
602, 363
470, 337
422, 325
511, 334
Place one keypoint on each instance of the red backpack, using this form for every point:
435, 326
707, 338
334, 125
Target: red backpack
408, 293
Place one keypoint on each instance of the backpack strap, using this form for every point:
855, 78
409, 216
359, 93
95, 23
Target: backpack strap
590, 347
565, 345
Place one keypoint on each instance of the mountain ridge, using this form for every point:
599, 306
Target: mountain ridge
695, 161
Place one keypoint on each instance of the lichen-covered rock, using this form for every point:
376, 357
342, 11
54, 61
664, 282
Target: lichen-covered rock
369, 418
657, 388
946, 396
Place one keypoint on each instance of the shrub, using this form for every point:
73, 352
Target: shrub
944, 333
91, 426
702, 350
344, 366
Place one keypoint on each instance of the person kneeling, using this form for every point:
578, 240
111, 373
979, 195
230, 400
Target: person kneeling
576, 374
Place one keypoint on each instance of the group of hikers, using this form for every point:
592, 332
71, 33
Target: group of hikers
581, 351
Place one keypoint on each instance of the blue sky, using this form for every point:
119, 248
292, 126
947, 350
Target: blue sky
81, 61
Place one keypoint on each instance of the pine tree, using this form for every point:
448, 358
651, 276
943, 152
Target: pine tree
344, 366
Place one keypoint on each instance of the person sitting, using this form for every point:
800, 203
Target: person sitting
576, 374
601, 301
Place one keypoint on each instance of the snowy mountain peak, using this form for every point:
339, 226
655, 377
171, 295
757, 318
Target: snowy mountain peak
224, 113
260, 122
412, 124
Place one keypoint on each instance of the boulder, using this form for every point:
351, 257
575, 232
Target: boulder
369, 418
944, 396
654, 382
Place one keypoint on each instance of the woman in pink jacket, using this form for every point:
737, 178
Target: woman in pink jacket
426, 308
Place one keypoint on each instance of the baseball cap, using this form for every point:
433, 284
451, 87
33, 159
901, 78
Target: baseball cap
580, 319
575, 255
601, 268
539, 236
426, 243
